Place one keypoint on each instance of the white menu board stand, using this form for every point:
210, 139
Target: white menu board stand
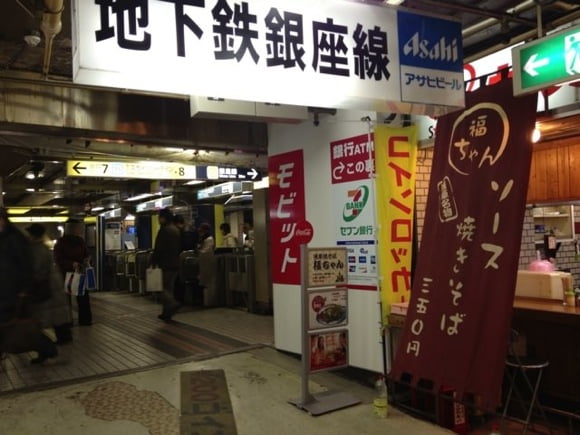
324, 297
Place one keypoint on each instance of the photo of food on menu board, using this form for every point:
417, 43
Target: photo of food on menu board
327, 308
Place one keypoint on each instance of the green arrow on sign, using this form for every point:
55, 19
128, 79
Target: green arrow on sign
533, 63
548, 61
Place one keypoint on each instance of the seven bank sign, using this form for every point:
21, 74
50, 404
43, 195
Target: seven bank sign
325, 53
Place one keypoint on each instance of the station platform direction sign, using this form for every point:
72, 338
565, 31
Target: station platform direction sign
155, 170
549, 61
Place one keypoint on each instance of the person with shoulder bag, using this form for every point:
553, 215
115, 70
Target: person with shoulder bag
166, 257
70, 254
19, 331
51, 304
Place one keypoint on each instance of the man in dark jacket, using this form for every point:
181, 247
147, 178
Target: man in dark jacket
166, 256
15, 268
16, 291
71, 254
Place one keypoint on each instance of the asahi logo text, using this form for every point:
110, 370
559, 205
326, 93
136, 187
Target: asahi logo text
425, 49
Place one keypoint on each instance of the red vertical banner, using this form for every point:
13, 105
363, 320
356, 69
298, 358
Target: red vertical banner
457, 328
287, 209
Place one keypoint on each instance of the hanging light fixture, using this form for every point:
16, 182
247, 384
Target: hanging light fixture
536, 134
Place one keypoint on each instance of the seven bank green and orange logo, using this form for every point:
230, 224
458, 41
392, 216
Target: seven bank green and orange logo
357, 200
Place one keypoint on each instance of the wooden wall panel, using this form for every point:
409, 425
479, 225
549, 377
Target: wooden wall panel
574, 159
552, 174
563, 172
533, 182
541, 179
555, 171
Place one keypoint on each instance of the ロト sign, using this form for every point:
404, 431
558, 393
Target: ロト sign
548, 61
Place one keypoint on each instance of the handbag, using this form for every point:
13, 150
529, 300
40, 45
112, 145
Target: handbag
21, 334
154, 279
90, 278
75, 283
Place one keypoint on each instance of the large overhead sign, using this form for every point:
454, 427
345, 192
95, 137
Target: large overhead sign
148, 170
548, 61
338, 54
154, 170
227, 173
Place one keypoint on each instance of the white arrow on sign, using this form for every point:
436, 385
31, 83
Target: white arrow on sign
253, 173
532, 64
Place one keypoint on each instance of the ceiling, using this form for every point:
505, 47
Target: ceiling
487, 26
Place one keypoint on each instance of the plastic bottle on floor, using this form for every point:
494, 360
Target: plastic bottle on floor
380, 403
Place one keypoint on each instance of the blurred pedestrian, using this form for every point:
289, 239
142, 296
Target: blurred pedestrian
188, 236
19, 331
249, 234
72, 255
228, 239
206, 240
166, 256
54, 312
207, 263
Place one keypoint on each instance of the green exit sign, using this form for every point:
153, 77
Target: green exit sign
548, 61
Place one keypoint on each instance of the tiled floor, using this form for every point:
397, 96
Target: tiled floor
126, 365
125, 336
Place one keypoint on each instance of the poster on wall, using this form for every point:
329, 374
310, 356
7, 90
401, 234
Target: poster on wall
351, 162
327, 308
396, 162
287, 208
328, 350
459, 317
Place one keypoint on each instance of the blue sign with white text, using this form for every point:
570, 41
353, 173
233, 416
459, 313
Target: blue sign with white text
429, 42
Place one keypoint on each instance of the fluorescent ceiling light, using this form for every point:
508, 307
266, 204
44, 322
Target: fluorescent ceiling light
394, 2
141, 196
24, 219
98, 208
30, 175
193, 182
12, 211
239, 198
30, 189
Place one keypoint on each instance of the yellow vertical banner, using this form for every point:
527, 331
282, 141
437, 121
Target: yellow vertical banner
395, 163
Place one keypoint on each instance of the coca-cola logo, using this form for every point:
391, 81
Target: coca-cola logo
303, 233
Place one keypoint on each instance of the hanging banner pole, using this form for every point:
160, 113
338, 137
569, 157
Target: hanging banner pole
376, 228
